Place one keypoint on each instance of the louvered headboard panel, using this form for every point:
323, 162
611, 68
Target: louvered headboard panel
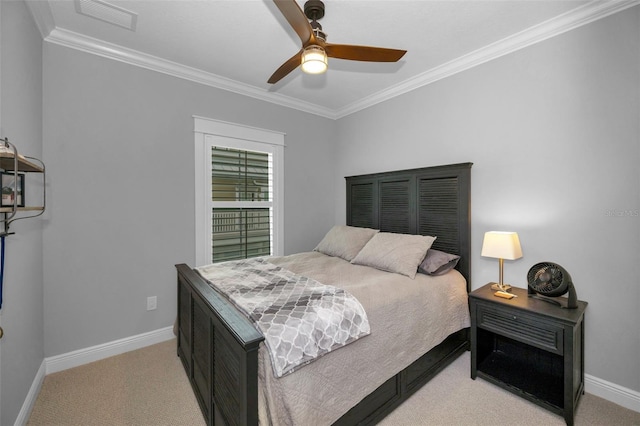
395, 210
362, 211
428, 201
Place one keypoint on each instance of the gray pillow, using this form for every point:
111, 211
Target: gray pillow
438, 262
399, 253
345, 241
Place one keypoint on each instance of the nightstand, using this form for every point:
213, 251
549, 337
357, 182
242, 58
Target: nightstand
530, 347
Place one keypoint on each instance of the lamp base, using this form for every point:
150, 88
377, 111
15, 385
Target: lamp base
496, 287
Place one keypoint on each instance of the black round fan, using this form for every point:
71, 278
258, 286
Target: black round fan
549, 279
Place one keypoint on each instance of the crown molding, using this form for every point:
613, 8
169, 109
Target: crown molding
116, 52
41, 13
560, 24
568, 21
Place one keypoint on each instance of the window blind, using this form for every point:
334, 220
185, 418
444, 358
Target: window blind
242, 210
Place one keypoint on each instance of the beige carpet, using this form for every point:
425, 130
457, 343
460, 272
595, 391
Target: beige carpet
149, 387
143, 387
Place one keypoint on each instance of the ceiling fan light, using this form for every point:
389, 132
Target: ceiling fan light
314, 60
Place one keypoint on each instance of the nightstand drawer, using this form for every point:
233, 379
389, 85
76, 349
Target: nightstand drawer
521, 327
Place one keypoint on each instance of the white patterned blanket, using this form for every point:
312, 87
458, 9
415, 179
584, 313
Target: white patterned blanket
300, 318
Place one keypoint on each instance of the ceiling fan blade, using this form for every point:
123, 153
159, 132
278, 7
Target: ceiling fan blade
363, 53
296, 18
291, 64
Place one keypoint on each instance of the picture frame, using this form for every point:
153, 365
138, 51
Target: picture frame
12, 186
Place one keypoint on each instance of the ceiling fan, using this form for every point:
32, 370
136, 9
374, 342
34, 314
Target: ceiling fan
315, 49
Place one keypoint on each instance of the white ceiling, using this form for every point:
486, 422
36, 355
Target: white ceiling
237, 45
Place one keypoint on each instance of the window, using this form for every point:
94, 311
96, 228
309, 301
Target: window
238, 192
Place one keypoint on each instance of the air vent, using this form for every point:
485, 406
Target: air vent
106, 12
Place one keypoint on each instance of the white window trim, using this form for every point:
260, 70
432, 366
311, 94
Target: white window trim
241, 137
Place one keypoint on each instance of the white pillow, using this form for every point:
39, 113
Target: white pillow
399, 253
345, 241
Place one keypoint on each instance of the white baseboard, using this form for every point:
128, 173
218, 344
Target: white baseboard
105, 350
611, 392
32, 395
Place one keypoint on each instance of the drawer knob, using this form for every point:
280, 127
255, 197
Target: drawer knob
515, 317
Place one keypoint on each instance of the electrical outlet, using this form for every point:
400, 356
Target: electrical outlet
152, 303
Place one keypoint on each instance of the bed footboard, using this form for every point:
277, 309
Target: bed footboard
219, 351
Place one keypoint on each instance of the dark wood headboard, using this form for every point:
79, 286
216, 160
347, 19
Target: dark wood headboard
427, 201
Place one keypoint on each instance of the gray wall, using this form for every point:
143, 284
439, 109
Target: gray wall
119, 147
553, 132
21, 348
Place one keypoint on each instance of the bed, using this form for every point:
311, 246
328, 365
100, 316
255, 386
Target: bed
223, 353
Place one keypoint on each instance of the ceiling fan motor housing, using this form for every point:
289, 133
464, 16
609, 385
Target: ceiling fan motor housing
314, 9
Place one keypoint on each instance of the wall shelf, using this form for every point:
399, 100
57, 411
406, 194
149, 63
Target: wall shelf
14, 163
21, 209
7, 162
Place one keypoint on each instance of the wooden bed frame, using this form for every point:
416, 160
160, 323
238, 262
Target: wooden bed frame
218, 345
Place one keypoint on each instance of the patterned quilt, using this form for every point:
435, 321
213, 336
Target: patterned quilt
300, 318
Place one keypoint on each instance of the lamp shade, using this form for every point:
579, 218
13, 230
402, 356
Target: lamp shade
314, 60
501, 245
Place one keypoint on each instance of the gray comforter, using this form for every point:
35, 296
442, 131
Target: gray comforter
407, 318
300, 318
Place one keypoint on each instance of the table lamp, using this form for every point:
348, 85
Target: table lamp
501, 245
